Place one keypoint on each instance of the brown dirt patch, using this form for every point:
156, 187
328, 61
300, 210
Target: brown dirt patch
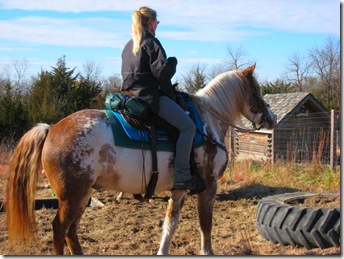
133, 228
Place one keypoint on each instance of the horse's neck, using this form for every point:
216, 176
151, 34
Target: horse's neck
216, 127
212, 124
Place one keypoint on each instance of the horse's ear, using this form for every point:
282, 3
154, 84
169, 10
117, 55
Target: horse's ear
249, 70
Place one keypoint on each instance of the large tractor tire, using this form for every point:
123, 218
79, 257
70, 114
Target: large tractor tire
286, 219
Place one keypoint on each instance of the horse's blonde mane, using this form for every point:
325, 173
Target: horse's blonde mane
225, 94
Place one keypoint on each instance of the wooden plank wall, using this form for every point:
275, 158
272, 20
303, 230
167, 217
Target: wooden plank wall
253, 145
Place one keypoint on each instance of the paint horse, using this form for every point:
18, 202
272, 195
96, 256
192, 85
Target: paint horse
79, 153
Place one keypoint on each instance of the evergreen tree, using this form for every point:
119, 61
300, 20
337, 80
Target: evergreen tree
195, 79
84, 93
63, 83
279, 86
44, 104
59, 93
13, 115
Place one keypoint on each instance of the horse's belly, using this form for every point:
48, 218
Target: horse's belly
130, 171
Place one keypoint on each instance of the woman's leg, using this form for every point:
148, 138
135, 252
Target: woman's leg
175, 115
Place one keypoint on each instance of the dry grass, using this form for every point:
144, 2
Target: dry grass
305, 177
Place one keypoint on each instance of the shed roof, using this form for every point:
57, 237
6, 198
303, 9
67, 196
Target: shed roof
286, 104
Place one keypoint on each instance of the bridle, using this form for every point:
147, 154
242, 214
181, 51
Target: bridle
258, 106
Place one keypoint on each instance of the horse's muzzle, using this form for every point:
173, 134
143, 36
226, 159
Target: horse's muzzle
268, 122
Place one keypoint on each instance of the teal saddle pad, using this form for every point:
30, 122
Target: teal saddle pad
126, 135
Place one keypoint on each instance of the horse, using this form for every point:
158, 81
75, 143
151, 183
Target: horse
79, 153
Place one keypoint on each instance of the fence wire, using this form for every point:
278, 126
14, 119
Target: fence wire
313, 137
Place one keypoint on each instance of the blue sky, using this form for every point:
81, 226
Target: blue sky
194, 31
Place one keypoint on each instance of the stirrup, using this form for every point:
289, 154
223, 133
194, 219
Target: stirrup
194, 185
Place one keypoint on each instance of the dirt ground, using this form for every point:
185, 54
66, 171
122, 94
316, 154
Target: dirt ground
130, 227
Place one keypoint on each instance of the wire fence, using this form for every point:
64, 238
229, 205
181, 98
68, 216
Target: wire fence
313, 137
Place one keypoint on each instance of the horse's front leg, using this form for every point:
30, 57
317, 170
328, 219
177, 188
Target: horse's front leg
205, 206
174, 207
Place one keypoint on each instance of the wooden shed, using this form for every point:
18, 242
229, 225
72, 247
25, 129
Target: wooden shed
301, 133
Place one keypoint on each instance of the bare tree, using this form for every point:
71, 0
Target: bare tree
326, 65
112, 84
4, 77
237, 58
14, 74
217, 69
298, 69
20, 68
92, 70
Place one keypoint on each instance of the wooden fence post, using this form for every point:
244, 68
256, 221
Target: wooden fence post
333, 145
231, 144
273, 146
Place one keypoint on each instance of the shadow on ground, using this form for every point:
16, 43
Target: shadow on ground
255, 191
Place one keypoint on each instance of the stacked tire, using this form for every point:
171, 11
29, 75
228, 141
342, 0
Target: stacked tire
283, 219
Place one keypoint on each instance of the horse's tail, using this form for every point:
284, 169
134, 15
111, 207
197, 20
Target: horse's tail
21, 186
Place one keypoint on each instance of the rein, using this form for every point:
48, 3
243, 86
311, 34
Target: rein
218, 116
212, 140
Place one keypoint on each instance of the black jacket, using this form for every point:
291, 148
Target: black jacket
148, 74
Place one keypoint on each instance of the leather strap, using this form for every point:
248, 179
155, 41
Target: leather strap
155, 174
128, 93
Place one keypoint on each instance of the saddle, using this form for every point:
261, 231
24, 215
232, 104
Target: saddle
150, 131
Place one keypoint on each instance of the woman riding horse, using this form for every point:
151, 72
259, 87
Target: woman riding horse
147, 74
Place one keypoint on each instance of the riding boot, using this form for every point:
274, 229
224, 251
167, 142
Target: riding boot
195, 184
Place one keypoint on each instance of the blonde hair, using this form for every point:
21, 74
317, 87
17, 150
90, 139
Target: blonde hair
139, 25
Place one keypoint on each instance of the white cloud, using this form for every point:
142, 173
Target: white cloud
66, 5
313, 16
320, 16
95, 32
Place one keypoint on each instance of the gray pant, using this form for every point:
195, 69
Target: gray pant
170, 111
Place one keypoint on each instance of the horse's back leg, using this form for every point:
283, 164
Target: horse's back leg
66, 224
205, 207
73, 240
120, 196
174, 207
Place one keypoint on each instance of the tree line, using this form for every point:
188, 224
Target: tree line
52, 95
47, 97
